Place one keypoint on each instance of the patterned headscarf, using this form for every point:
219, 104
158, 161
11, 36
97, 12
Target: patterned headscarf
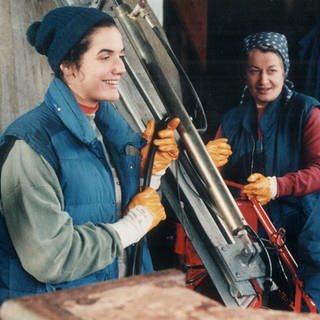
273, 40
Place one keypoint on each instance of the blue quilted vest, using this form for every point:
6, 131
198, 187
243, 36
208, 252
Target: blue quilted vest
280, 152
61, 133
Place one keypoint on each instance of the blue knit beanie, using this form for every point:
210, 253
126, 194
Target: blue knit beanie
61, 29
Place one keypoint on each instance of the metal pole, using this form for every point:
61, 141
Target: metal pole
188, 133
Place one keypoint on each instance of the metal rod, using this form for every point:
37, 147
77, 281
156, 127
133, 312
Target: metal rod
188, 133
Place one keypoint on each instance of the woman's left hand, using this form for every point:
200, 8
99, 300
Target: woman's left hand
259, 187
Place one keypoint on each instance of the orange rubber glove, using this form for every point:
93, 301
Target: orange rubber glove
259, 187
149, 199
167, 150
219, 151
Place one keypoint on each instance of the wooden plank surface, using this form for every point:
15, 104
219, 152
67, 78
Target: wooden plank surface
24, 74
156, 296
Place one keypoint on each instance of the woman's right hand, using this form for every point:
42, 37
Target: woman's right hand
219, 151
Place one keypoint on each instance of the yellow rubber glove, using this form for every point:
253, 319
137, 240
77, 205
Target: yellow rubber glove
149, 199
167, 150
219, 151
259, 187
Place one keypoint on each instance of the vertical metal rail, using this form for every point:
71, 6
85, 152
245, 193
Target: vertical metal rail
188, 133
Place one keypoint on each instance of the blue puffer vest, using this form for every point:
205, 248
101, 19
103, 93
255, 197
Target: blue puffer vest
282, 126
61, 133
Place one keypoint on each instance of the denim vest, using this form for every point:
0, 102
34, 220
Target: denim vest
60, 132
280, 152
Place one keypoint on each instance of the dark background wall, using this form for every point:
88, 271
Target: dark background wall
207, 37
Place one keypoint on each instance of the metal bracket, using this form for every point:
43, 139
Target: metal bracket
241, 264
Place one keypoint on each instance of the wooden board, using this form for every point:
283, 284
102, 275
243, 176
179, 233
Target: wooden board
24, 75
156, 296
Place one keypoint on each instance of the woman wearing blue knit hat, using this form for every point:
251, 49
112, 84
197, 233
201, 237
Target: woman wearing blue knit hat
271, 143
70, 168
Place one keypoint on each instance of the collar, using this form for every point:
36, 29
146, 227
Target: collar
62, 102
89, 110
269, 116
117, 131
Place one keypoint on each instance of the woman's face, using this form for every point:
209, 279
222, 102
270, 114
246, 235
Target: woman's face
101, 68
265, 76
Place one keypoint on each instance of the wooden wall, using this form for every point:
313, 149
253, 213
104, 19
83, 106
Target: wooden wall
24, 74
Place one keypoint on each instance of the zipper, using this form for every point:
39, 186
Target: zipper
252, 154
254, 149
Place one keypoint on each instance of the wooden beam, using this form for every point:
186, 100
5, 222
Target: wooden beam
194, 19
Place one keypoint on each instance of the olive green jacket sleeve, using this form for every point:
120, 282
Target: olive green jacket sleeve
49, 246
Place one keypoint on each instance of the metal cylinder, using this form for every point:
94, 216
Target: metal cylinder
191, 139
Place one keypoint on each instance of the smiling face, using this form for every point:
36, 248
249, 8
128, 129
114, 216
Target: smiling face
100, 69
265, 76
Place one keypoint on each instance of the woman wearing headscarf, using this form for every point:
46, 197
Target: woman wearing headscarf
271, 143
